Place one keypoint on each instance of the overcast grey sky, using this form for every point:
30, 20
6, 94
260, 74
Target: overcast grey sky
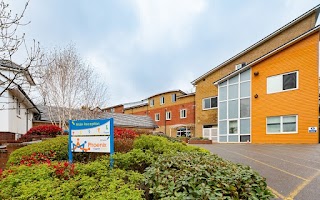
142, 47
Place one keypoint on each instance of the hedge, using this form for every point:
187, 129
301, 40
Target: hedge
201, 176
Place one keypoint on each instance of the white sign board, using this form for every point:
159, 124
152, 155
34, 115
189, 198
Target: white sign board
90, 144
312, 129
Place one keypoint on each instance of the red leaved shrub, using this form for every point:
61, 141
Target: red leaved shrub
64, 170
123, 139
38, 158
51, 130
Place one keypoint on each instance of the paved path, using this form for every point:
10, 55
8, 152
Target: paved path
292, 171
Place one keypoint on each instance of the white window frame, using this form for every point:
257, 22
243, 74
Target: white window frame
281, 75
203, 104
168, 115
112, 110
183, 116
173, 97
161, 100
281, 125
151, 102
157, 117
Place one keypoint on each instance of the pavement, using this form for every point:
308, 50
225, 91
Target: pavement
292, 171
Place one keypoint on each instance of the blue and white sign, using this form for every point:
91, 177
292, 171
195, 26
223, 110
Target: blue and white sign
91, 136
312, 129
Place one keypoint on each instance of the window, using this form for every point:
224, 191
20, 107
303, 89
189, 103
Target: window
282, 82
168, 115
173, 97
282, 124
18, 107
183, 132
157, 117
209, 103
151, 102
161, 100
183, 113
112, 110
233, 127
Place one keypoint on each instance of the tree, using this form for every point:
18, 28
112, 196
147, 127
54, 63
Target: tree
10, 43
70, 88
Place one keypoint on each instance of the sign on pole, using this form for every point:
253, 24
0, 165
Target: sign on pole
94, 135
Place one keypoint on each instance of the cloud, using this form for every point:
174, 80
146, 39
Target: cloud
166, 22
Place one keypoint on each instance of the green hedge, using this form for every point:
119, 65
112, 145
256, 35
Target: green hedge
59, 145
201, 176
92, 181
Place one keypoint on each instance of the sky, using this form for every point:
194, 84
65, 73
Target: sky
144, 47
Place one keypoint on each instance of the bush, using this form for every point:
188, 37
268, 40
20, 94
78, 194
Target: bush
161, 145
58, 145
92, 181
51, 130
202, 176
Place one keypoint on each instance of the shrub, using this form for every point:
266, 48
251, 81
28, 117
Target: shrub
121, 133
202, 176
162, 145
58, 145
51, 130
123, 145
92, 181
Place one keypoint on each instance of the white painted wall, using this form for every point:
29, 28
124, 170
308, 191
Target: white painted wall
4, 113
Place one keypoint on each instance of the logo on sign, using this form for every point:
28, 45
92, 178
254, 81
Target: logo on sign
312, 129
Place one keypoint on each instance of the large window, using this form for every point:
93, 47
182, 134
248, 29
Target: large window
168, 115
282, 82
234, 108
173, 97
282, 124
183, 113
209, 103
157, 117
161, 100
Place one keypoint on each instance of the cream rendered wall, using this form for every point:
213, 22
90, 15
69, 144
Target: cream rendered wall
4, 113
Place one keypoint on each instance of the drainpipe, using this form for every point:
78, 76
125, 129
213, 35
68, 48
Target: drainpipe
165, 121
27, 118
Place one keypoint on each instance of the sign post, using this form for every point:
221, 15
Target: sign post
95, 135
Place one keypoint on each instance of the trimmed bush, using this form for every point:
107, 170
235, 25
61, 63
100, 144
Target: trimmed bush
161, 145
58, 145
201, 176
51, 130
92, 181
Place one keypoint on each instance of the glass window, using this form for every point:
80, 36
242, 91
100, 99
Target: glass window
183, 113
245, 89
223, 139
157, 117
223, 93
244, 138
273, 125
233, 127
245, 76
233, 109
233, 91
234, 80
233, 138
223, 128
222, 110
161, 100
223, 83
168, 115
209, 103
173, 97
245, 108
151, 102
244, 126
290, 81
289, 123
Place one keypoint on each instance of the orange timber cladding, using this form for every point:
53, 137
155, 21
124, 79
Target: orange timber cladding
205, 87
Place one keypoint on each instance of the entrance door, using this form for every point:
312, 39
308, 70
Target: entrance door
210, 132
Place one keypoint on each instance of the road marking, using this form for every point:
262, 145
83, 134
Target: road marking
286, 161
298, 189
276, 193
265, 164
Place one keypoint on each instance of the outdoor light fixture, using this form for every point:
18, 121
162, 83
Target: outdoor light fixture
256, 73
256, 96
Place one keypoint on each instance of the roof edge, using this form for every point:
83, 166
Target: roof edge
265, 56
286, 26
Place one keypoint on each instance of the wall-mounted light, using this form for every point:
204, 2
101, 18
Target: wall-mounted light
256, 73
256, 96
